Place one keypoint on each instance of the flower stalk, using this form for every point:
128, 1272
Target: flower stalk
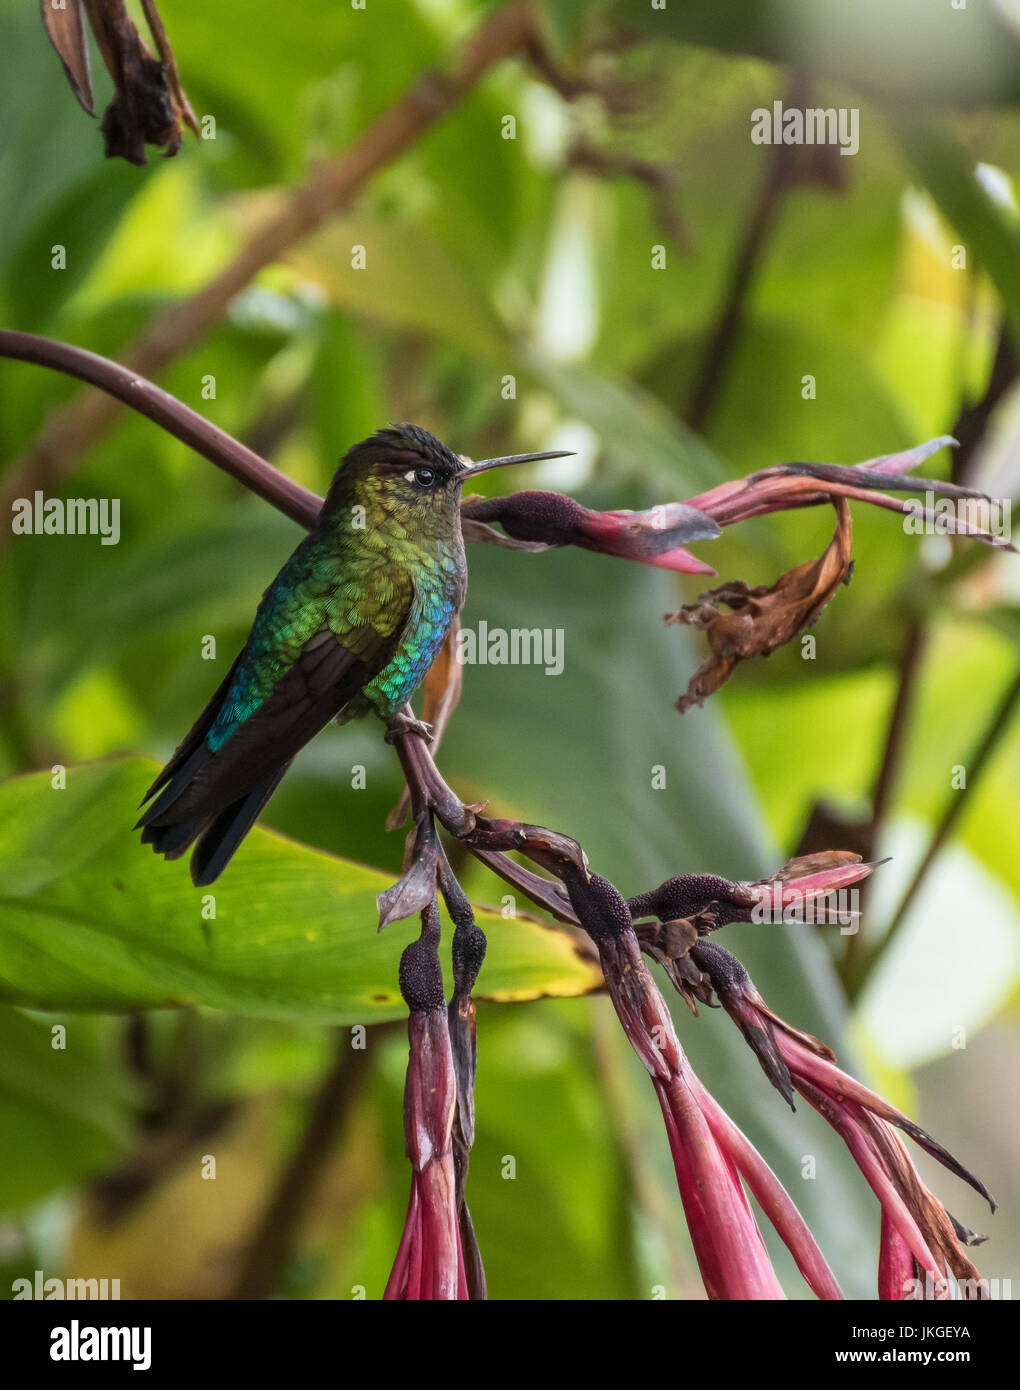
429, 1262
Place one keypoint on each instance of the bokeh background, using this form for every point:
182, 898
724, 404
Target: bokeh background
489, 258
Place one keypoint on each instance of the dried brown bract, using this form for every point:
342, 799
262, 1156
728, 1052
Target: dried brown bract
766, 617
149, 106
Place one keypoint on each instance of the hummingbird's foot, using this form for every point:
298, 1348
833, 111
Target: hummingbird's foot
405, 724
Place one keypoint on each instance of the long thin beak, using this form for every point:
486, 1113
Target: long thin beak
486, 464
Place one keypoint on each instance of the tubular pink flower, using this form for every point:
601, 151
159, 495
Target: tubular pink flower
731, 1254
868, 1161
429, 1264
640, 536
896, 1269
711, 902
711, 1156
921, 1244
771, 1196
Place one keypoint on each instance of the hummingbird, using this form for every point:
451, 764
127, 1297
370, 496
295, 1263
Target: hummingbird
349, 627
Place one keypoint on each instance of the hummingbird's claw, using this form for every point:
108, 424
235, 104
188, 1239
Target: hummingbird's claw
405, 724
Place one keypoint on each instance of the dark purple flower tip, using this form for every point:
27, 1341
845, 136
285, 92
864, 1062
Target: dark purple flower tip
600, 908
688, 896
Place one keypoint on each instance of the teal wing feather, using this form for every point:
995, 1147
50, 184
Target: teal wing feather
310, 653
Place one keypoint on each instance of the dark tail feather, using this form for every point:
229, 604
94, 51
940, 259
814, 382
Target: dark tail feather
220, 833
215, 797
193, 742
172, 840
220, 840
173, 787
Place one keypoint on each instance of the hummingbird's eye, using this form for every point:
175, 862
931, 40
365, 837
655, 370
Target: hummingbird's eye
424, 477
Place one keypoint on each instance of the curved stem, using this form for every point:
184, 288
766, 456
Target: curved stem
173, 415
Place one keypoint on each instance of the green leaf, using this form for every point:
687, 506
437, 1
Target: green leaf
913, 48
91, 920
990, 235
410, 280
61, 1113
82, 221
49, 142
115, 591
347, 399
639, 436
761, 418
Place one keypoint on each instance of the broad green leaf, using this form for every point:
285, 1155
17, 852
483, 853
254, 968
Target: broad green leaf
830, 257
839, 721
347, 399
169, 210
116, 591
91, 919
269, 78
564, 21
761, 416
49, 142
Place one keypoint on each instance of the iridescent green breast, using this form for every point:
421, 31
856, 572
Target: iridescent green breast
439, 585
387, 598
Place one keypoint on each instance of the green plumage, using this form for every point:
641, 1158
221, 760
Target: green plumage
349, 626
369, 589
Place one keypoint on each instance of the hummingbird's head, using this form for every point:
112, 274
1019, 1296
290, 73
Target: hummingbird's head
407, 475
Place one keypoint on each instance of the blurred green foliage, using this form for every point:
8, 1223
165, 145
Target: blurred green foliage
489, 258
